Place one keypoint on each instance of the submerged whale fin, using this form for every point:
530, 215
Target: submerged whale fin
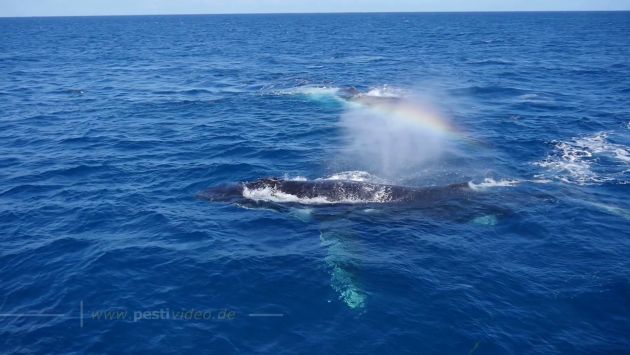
303, 214
485, 220
342, 280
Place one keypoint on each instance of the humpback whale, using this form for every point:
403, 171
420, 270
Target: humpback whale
332, 192
342, 245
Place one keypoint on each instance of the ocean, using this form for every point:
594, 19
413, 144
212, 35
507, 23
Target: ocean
112, 129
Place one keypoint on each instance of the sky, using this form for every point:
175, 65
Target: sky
9, 8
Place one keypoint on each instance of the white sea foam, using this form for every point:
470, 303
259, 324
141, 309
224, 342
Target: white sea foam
378, 194
355, 175
576, 161
351, 175
540, 181
310, 90
295, 178
599, 144
386, 91
273, 195
490, 183
333, 91
316, 90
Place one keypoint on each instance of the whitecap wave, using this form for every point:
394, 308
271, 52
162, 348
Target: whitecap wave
579, 160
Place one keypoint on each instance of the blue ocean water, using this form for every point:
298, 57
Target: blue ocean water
111, 126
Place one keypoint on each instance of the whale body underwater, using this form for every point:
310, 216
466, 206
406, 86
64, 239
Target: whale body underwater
332, 192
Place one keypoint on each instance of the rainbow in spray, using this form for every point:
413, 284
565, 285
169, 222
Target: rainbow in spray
390, 104
421, 116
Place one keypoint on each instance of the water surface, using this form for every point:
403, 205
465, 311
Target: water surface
110, 127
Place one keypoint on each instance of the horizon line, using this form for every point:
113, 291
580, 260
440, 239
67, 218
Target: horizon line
317, 13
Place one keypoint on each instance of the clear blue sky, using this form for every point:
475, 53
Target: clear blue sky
137, 7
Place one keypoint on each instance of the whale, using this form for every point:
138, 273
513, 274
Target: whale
330, 204
353, 95
332, 192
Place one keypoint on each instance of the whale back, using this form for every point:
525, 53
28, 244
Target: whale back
343, 191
